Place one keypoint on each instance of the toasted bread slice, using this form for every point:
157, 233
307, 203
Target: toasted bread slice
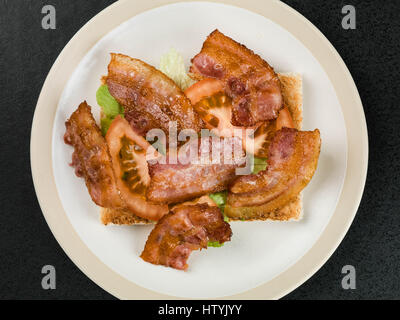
120, 217
292, 90
291, 212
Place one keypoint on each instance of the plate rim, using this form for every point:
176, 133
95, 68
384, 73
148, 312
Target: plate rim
281, 14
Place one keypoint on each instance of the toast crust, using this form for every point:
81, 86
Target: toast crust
292, 91
291, 212
121, 217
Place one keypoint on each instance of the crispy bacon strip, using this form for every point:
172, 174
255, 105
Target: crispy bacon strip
150, 99
91, 158
185, 229
293, 159
188, 179
249, 80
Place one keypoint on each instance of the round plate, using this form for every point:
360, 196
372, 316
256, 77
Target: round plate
264, 260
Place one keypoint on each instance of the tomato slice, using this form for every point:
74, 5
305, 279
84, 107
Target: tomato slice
215, 108
204, 88
284, 120
128, 154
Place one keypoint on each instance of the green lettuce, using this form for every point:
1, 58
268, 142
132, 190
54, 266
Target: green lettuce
105, 123
215, 244
220, 200
258, 165
173, 66
110, 107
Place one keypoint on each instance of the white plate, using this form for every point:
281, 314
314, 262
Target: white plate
259, 251
272, 257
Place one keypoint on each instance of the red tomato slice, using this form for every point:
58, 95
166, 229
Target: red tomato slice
215, 108
284, 119
128, 154
204, 88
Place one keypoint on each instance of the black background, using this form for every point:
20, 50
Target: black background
371, 52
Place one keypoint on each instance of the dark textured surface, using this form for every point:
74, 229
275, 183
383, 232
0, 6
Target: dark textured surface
372, 54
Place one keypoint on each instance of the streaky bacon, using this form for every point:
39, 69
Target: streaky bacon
151, 100
186, 179
249, 80
91, 158
293, 159
186, 228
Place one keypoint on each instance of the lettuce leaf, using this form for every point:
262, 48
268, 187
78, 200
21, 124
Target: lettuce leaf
105, 123
215, 244
173, 66
110, 107
259, 164
220, 200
